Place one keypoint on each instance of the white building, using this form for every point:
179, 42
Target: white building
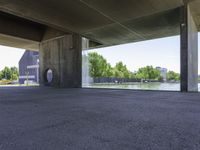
163, 73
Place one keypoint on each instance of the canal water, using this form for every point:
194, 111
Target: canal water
140, 86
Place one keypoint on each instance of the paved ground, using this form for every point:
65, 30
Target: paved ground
89, 119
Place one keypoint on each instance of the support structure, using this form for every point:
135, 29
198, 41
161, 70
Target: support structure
62, 56
189, 51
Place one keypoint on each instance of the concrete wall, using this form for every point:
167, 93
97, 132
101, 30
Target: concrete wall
63, 57
189, 51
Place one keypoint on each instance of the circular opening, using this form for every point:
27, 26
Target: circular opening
49, 75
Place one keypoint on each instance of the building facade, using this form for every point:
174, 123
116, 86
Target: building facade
29, 67
163, 72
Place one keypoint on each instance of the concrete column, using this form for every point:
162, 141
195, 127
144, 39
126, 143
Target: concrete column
189, 51
85, 63
63, 56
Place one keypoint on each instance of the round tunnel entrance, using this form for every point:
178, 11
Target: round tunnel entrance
48, 76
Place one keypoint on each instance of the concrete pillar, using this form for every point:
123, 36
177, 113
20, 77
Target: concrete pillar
189, 51
85, 63
63, 56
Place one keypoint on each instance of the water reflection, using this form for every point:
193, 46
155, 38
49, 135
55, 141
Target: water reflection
140, 86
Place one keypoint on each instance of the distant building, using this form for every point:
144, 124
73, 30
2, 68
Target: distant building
163, 72
29, 67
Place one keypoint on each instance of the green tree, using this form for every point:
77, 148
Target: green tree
132, 75
1, 75
9, 73
99, 66
148, 72
14, 73
121, 71
171, 75
6, 73
109, 71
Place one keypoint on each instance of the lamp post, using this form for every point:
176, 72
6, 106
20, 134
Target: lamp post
27, 75
38, 70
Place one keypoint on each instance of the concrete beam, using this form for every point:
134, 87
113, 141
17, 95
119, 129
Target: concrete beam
21, 28
189, 51
13, 41
20, 33
63, 56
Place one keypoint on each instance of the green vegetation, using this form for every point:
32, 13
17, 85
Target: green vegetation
173, 76
120, 71
99, 67
148, 72
9, 74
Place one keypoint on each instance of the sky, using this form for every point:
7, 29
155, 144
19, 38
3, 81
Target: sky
161, 52
164, 52
10, 56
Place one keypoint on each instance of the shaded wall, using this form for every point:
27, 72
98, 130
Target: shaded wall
63, 56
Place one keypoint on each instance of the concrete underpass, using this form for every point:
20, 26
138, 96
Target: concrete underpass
63, 115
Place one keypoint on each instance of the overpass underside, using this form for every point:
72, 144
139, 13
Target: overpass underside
55, 28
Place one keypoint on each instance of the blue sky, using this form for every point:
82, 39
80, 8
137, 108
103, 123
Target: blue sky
163, 52
160, 52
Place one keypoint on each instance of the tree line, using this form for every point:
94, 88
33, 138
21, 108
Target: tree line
11, 73
99, 67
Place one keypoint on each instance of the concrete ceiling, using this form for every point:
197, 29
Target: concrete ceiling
109, 22
195, 8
